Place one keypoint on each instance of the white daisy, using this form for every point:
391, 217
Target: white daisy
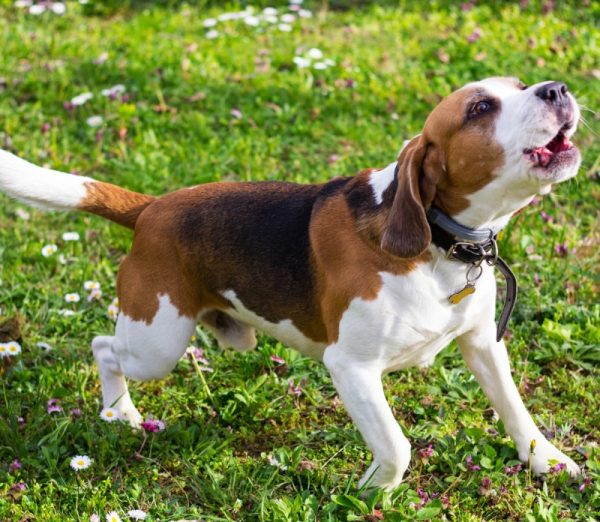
3, 350
13, 348
288, 18
320, 66
274, 462
212, 34
304, 13
37, 9
137, 514
94, 517
91, 285
227, 16
252, 21
109, 414
66, 313
315, 54
301, 63
114, 90
80, 462
113, 516
70, 236
82, 98
270, 11
48, 250
286, 28
94, 121
113, 309
72, 298
58, 8
95, 294
44, 346
209, 22
272, 19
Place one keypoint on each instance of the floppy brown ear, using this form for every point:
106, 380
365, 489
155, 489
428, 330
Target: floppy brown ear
407, 233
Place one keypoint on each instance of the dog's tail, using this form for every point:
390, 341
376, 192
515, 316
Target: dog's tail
53, 190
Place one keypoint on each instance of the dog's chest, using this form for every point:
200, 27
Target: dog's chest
412, 319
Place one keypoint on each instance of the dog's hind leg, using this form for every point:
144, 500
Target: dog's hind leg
114, 388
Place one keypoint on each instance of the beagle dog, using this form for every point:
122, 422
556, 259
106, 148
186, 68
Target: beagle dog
348, 271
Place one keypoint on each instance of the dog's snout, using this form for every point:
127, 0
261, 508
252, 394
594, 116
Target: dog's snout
554, 93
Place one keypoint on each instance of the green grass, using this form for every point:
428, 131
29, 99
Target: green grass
393, 63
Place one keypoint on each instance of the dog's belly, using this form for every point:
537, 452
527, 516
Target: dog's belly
284, 330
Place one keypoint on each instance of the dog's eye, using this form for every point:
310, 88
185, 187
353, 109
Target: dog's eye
480, 107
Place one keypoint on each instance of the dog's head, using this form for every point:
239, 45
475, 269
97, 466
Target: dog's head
484, 152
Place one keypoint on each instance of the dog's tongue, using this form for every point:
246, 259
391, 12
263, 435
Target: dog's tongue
541, 156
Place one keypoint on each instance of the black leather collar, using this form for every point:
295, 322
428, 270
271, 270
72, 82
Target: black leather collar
473, 247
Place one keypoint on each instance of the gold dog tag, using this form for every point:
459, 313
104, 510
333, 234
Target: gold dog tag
459, 296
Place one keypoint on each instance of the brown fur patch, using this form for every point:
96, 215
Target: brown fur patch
466, 148
115, 203
348, 263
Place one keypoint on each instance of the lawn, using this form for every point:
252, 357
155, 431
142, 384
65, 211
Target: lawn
251, 436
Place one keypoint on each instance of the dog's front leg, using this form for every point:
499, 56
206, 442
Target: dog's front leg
359, 386
488, 360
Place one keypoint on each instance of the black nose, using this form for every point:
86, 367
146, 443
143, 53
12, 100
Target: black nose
554, 93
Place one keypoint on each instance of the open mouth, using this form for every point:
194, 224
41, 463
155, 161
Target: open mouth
552, 151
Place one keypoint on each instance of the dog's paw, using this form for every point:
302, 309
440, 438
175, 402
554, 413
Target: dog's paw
383, 477
545, 456
132, 416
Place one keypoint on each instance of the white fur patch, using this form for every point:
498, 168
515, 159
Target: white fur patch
43, 188
380, 180
151, 351
284, 330
411, 319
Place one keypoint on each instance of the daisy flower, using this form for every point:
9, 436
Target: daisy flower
94, 517
91, 285
72, 298
288, 18
153, 425
48, 250
66, 313
44, 346
113, 309
58, 8
114, 91
301, 63
109, 414
320, 66
286, 28
94, 294
137, 514
113, 516
37, 9
13, 348
70, 236
304, 13
82, 98
270, 11
212, 34
94, 121
80, 462
252, 21
209, 22
3, 350
315, 54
